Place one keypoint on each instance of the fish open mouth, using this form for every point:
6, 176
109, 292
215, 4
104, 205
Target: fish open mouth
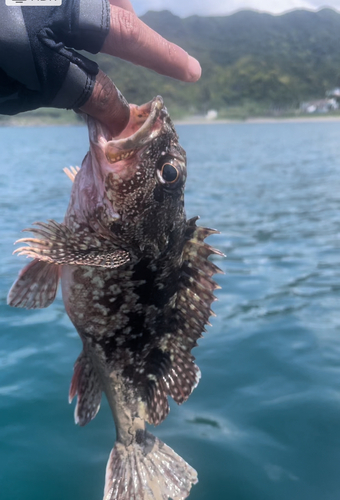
145, 123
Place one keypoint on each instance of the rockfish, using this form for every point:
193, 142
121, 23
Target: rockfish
137, 285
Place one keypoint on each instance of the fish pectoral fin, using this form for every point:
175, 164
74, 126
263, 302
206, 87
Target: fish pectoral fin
157, 472
86, 385
36, 286
57, 244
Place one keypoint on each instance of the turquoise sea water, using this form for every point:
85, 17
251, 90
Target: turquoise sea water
264, 422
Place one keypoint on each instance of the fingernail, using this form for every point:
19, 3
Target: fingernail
194, 69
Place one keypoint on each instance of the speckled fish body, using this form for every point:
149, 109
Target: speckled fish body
137, 285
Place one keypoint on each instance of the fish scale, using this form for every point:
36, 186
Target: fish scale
137, 285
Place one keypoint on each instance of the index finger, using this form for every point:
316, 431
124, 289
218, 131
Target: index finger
131, 39
124, 4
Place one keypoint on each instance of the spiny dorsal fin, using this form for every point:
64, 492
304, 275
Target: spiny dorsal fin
177, 373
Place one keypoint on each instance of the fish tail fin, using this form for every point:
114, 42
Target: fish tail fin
147, 469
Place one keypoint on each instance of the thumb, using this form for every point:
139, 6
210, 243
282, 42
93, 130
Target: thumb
107, 105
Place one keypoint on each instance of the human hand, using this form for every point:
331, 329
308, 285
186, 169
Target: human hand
130, 39
40, 68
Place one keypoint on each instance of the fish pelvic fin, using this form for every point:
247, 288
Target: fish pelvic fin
147, 469
86, 385
56, 243
36, 286
71, 172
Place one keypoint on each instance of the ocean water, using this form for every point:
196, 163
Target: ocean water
264, 422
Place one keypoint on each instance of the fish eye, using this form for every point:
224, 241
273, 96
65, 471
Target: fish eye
169, 173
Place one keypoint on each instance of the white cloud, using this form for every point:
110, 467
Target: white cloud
185, 8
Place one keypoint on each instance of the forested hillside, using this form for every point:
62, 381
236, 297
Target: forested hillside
254, 64
247, 57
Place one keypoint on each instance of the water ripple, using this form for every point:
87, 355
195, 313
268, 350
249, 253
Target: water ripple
264, 422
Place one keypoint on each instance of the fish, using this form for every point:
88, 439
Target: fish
137, 285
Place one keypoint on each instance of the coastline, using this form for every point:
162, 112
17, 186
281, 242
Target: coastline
49, 121
260, 120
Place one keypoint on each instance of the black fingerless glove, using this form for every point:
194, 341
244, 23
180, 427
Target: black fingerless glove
38, 66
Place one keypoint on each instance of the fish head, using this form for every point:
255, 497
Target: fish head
139, 178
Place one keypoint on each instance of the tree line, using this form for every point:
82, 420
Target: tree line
247, 57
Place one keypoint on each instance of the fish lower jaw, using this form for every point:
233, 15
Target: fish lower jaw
119, 155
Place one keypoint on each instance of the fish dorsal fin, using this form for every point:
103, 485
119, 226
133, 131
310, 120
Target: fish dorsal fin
36, 285
178, 375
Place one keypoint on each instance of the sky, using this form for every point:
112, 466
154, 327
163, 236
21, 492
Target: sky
185, 8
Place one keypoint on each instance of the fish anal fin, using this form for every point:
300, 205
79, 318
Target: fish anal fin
56, 243
36, 286
147, 469
86, 385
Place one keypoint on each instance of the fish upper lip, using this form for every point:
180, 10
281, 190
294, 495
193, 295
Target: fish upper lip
120, 148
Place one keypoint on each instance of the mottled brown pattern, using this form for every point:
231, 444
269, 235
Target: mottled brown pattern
137, 285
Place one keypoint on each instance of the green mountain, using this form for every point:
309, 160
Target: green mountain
247, 58
254, 64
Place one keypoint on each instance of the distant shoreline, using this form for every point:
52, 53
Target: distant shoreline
41, 122
297, 119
